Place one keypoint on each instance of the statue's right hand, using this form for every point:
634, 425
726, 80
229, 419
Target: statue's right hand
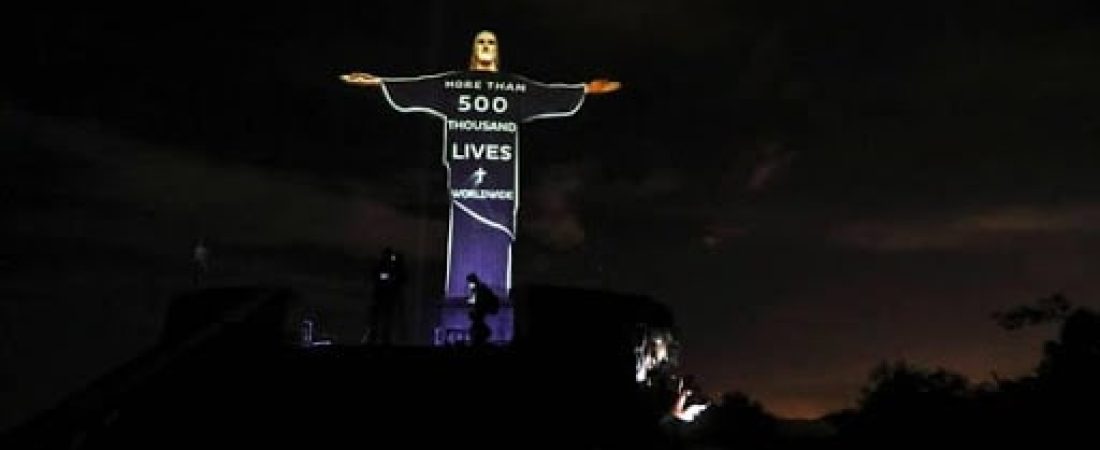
361, 79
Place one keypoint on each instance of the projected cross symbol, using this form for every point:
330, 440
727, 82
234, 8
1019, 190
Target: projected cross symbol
479, 176
481, 109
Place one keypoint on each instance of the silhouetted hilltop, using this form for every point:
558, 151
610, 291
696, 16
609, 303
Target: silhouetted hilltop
228, 371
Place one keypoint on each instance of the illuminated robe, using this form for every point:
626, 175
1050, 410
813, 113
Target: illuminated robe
481, 113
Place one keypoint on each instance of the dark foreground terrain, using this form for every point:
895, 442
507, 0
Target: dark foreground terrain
228, 372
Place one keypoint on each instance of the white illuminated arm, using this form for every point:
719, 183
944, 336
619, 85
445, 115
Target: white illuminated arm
678, 407
692, 412
643, 369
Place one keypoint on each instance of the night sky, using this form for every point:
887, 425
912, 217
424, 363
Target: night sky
812, 187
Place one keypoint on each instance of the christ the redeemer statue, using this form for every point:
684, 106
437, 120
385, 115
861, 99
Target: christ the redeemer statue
481, 111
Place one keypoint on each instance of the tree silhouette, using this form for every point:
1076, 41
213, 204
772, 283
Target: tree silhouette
1066, 381
1045, 407
1075, 356
906, 403
1046, 310
902, 383
738, 421
1070, 364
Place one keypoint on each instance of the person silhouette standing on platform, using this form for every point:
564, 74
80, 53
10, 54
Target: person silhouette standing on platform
200, 262
483, 302
389, 280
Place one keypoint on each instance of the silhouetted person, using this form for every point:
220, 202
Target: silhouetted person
483, 302
656, 364
654, 359
200, 262
389, 281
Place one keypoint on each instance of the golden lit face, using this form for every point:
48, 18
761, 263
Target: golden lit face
485, 51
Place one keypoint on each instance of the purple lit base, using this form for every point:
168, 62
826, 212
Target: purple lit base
454, 324
478, 249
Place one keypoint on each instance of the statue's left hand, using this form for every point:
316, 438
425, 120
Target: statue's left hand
361, 79
601, 86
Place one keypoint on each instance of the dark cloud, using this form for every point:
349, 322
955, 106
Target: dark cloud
241, 204
987, 229
552, 216
770, 167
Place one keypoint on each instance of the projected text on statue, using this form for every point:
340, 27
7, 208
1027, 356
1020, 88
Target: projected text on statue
481, 112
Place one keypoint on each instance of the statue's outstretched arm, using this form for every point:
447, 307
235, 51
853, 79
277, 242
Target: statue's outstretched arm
601, 86
361, 79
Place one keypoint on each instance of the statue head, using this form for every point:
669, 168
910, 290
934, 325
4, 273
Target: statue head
485, 55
